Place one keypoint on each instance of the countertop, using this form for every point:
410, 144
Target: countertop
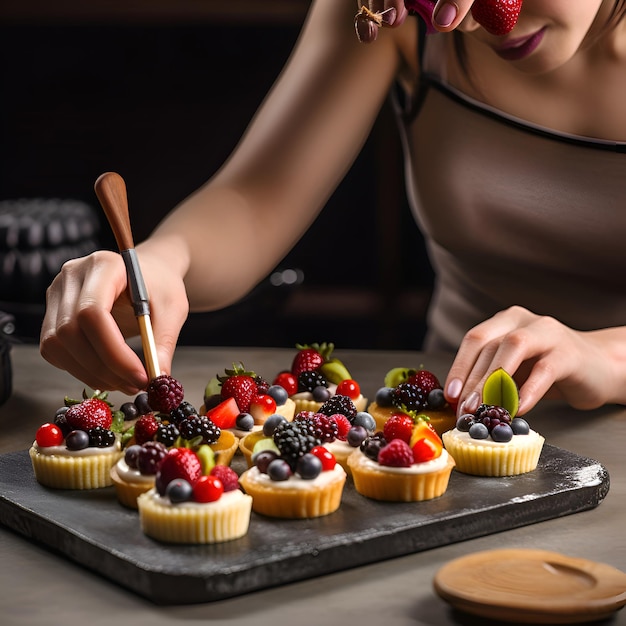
39, 586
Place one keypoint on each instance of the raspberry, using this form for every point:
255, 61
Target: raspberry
399, 426
343, 426
165, 393
150, 456
339, 404
396, 453
146, 428
227, 475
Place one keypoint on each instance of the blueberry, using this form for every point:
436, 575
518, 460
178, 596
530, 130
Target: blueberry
244, 421
465, 422
279, 470
520, 426
141, 402
131, 455
502, 433
179, 490
271, 422
356, 436
263, 459
130, 411
279, 394
320, 394
436, 399
384, 396
478, 431
366, 420
77, 440
309, 466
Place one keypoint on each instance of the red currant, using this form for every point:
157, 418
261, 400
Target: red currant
325, 456
265, 402
49, 435
349, 388
288, 382
207, 489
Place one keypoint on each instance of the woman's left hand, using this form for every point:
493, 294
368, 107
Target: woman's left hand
545, 357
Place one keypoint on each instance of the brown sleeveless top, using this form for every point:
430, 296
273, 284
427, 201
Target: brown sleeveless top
513, 214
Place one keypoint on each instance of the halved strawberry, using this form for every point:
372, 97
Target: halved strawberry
225, 413
497, 17
178, 463
89, 414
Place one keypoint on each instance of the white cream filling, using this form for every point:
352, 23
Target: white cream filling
130, 475
294, 481
227, 499
518, 440
360, 460
63, 451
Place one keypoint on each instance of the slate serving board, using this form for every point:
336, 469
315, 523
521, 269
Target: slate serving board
91, 528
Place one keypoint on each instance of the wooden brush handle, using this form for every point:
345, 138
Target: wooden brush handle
111, 191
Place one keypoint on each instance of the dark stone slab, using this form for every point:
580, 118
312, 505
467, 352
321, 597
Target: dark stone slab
92, 529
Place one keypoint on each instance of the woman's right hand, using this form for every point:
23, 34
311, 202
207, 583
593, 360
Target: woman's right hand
89, 315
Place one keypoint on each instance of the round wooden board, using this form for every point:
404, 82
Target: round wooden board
531, 586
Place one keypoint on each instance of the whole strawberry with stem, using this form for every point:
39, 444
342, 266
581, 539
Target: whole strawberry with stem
165, 393
89, 413
310, 357
178, 463
425, 380
497, 17
240, 384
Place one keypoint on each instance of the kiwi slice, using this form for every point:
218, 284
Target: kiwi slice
501, 390
398, 375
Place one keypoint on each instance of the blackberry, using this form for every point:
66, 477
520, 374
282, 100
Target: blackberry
167, 434
326, 428
491, 416
339, 404
199, 426
409, 397
261, 384
310, 379
150, 456
61, 421
183, 410
295, 439
100, 437
372, 445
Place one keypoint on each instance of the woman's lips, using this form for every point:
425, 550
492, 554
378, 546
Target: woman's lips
520, 48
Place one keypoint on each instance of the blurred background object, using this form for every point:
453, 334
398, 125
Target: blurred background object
161, 91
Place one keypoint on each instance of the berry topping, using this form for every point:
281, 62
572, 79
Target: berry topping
179, 490
130, 411
261, 406
309, 466
310, 357
326, 428
244, 421
325, 456
372, 445
295, 439
131, 454
520, 426
349, 388
225, 413
279, 470
288, 382
356, 436
150, 456
49, 435
227, 475
280, 394
365, 419
165, 393
339, 404
343, 426
309, 380
77, 440
399, 426
497, 17
425, 380
396, 453
183, 410
240, 385
409, 397
178, 463
89, 414
100, 437
384, 397
271, 423
146, 428
167, 434
199, 429
208, 489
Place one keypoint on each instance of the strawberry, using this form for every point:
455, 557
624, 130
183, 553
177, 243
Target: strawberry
178, 463
146, 428
240, 385
396, 453
261, 407
399, 426
89, 414
225, 413
497, 17
310, 357
165, 393
425, 380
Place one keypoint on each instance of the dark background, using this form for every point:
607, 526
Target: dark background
161, 92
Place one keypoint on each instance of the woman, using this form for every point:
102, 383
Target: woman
515, 173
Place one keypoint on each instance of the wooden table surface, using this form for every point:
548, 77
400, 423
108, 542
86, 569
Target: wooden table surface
39, 586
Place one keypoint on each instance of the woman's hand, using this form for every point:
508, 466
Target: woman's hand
442, 15
89, 315
544, 357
